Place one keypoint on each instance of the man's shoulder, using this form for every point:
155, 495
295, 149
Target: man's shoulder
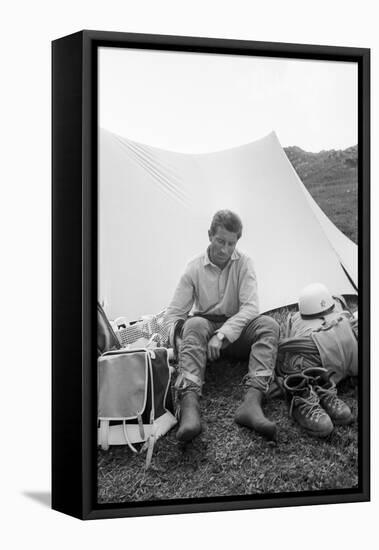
196, 261
242, 259
240, 255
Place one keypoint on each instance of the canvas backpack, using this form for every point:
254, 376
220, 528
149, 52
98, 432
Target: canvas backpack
134, 397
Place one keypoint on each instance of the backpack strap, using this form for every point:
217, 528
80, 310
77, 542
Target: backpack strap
150, 448
104, 434
140, 427
106, 337
127, 437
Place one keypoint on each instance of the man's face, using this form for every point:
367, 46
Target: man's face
222, 245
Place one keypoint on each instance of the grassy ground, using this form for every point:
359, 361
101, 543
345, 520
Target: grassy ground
339, 202
331, 177
229, 460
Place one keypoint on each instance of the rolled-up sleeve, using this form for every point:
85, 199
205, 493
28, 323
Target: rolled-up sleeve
181, 303
249, 304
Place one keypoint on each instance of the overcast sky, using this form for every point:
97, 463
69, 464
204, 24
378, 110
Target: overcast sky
199, 103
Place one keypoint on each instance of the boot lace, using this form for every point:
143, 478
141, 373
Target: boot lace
308, 406
329, 397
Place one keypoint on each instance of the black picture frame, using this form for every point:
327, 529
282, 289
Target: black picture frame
74, 270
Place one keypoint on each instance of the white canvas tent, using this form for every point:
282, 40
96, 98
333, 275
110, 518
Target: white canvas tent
155, 209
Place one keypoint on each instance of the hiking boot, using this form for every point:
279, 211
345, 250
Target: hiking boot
250, 414
315, 374
305, 406
189, 422
326, 390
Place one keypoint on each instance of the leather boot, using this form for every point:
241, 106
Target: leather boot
326, 390
189, 423
250, 414
305, 406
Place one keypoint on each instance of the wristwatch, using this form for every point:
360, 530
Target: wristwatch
220, 336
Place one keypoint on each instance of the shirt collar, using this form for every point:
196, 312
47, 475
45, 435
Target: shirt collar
206, 261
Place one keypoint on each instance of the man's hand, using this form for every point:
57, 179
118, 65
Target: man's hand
214, 348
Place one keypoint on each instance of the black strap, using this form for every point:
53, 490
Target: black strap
106, 337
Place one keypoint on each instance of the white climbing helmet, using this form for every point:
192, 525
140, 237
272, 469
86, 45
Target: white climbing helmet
315, 299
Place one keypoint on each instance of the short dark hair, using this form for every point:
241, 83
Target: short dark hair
228, 220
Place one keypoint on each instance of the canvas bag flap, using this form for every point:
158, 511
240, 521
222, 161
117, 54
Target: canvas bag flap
122, 384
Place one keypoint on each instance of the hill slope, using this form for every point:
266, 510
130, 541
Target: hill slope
332, 179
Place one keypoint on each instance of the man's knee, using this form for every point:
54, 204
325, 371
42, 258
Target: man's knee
196, 325
263, 326
268, 325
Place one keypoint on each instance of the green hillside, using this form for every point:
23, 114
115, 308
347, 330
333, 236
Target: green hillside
332, 179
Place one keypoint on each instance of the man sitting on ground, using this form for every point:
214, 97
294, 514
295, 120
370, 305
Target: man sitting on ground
215, 310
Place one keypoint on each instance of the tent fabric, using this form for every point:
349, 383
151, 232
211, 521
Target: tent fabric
345, 249
155, 209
